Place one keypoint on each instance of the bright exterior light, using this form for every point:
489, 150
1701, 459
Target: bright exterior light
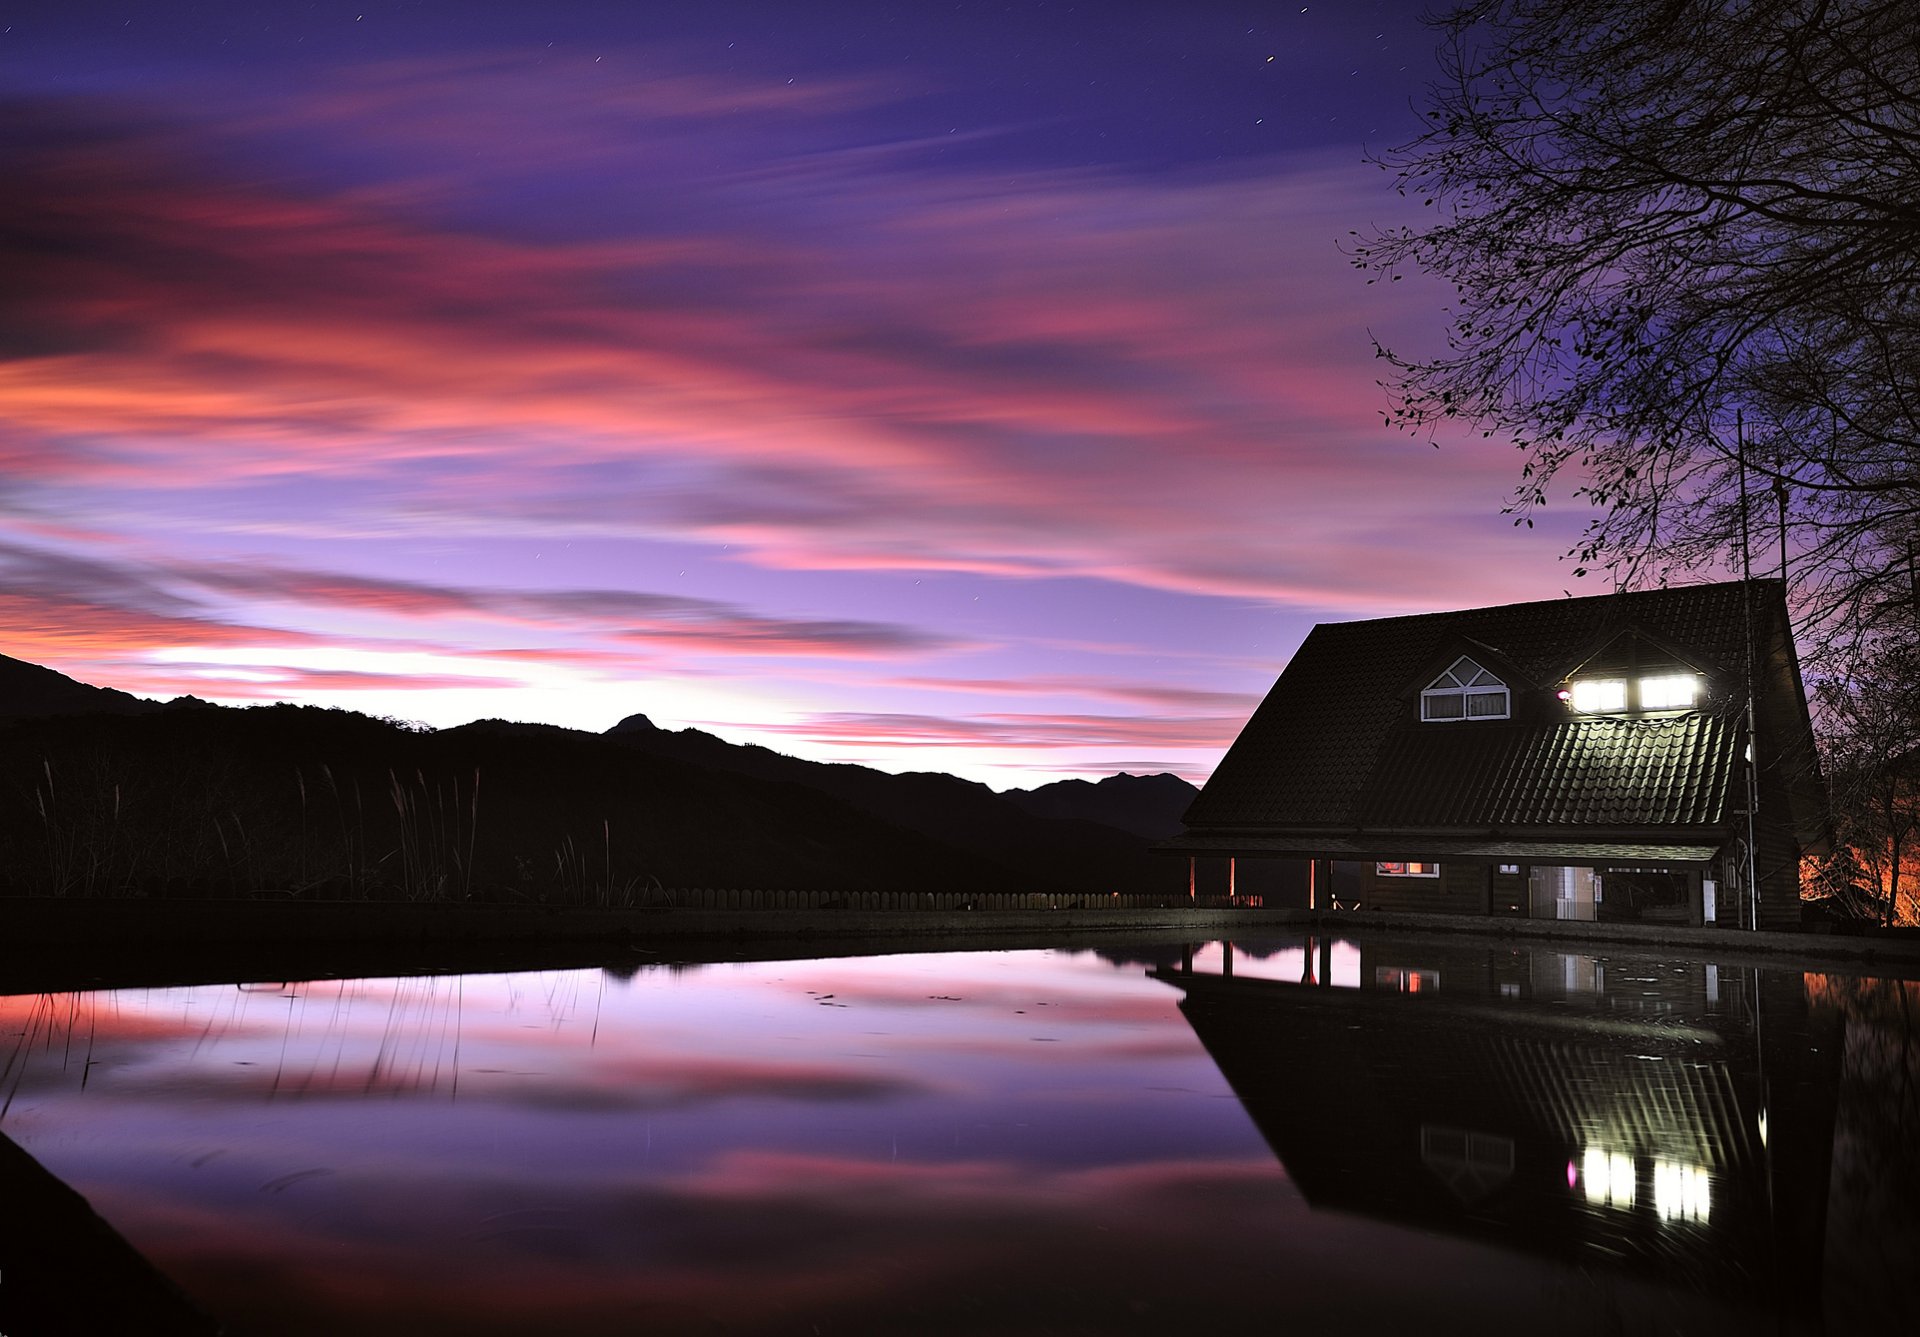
1599, 694
1673, 692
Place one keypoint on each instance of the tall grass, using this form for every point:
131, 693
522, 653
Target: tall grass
81, 838
196, 825
437, 834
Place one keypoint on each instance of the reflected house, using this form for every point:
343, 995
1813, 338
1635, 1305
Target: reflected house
1571, 759
1671, 1123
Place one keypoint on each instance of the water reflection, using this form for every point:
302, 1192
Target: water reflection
1697, 1124
1001, 1141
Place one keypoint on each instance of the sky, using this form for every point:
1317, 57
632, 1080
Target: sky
976, 387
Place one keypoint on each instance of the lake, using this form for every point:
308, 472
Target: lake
1346, 1134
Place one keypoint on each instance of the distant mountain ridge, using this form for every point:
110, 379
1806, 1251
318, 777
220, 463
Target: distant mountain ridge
1147, 805
734, 811
29, 690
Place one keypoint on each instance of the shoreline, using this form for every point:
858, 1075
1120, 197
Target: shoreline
60, 945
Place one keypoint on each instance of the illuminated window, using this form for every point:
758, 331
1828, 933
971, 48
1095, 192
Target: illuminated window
1673, 692
1599, 694
1465, 692
1407, 869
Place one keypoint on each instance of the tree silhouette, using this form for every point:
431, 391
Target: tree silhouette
1682, 232
1871, 755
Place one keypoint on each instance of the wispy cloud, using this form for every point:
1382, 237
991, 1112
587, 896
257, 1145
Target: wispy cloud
1134, 693
637, 617
66, 607
1164, 383
1012, 731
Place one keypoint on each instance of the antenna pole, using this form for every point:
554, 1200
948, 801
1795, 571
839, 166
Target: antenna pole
1746, 603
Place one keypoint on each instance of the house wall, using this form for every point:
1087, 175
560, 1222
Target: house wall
1461, 889
1792, 795
1507, 892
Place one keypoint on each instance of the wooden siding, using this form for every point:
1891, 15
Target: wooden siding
1461, 889
1507, 892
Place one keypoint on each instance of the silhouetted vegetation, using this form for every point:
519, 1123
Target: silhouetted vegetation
1870, 744
325, 803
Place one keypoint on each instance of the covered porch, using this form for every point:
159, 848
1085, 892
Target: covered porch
1693, 882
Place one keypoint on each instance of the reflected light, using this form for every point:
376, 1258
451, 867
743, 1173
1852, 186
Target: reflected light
1681, 1192
1609, 1176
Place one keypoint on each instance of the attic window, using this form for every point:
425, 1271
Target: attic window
1669, 691
1465, 692
1595, 695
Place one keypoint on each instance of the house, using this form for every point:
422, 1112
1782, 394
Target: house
1572, 759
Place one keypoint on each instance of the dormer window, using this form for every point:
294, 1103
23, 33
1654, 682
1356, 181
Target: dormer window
1609, 696
1465, 692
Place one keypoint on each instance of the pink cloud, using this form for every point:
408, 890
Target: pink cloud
275, 682
1012, 731
1163, 385
632, 616
64, 608
1145, 694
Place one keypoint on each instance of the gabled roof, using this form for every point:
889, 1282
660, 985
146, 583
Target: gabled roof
1613, 773
1335, 746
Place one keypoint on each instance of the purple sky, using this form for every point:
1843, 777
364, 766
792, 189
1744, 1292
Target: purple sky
973, 387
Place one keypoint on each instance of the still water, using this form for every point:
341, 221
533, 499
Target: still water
1325, 1135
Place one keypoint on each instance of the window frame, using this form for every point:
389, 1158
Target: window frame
1404, 867
1465, 689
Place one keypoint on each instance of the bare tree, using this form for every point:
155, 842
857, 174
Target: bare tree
1682, 232
1870, 743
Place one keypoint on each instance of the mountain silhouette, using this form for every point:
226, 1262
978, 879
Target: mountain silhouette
29, 690
103, 793
1150, 806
